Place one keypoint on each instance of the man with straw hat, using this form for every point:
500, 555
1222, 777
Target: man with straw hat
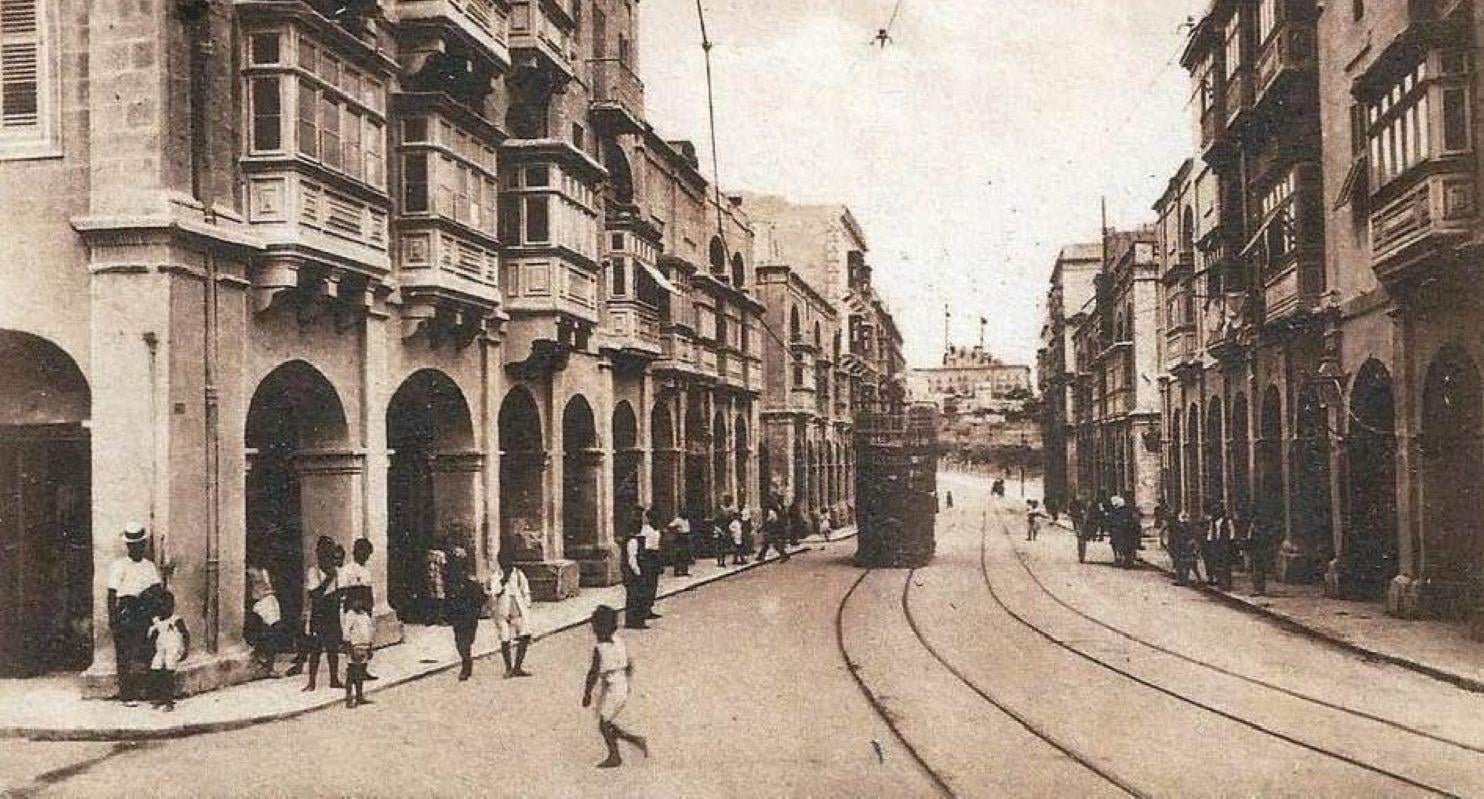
133, 581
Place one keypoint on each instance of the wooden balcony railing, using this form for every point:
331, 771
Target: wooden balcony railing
1439, 210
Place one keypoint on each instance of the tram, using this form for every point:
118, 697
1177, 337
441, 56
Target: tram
896, 488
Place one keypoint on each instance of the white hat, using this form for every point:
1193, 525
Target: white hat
1116, 501
134, 533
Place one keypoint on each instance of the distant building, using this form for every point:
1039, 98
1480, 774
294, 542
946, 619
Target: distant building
1073, 280
970, 381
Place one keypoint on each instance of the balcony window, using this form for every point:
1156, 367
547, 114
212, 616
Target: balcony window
1267, 20
1233, 44
620, 275
1422, 115
337, 110
267, 115
415, 182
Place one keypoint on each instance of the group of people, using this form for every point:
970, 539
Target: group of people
150, 640
1112, 518
1218, 541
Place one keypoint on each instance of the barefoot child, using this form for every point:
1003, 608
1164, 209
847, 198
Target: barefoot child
610, 673
358, 633
171, 640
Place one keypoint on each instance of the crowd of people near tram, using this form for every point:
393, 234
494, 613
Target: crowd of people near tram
1205, 548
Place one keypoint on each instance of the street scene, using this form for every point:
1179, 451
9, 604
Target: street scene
741, 398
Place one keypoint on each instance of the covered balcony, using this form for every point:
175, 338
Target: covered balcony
1238, 95
482, 24
1287, 55
618, 97
1433, 215
543, 37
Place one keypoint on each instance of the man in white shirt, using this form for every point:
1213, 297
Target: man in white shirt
130, 579
512, 594
651, 562
354, 579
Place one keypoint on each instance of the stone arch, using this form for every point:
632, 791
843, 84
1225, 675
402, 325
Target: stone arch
741, 450
739, 270
1175, 493
523, 468
665, 460
1239, 489
718, 256
432, 484
582, 462
1215, 489
626, 459
1192, 460
301, 476
1312, 509
1452, 468
1370, 545
1270, 461
46, 542
697, 448
720, 446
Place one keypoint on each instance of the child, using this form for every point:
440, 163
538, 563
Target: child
512, 593
737, 540
358, 631
1033, 516
171, 641
610, 673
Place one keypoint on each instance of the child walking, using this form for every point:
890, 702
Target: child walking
1033, 516
358, 633
171, 640
610, 673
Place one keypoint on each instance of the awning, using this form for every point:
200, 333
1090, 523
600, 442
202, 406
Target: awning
659, 277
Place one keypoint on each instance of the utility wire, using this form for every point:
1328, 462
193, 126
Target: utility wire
711, 113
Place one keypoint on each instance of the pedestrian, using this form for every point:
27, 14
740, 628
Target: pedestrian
1033, 517
1178, 544
133, 585
796, 523
632, 569
773, 533
1118, 522
610, 673
355, 578
748, 538
359, 631
323, 633
651, 562
263, 627
436, 564
512, 592
681, 540
466, 599
170, 641
1261, 540
1220, 533
721, 539
735, 540
949, 497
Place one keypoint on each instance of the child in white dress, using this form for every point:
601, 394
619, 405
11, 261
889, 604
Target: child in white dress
610, 673
171, 641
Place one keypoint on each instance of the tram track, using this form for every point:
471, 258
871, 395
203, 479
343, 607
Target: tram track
1247, 678
1176, 695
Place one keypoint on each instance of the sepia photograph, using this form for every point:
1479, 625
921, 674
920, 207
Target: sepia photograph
741, 398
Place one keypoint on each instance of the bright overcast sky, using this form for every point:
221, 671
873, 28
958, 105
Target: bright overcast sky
971, 148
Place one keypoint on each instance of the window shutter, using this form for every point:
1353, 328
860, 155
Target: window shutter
20, 63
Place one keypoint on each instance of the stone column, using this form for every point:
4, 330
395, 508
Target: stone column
1405, 596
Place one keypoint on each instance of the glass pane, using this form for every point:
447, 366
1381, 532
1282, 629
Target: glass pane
265, 49
1455, 120
538, 219
267, 111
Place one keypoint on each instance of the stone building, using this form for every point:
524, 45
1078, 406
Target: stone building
970, 378
1072, 285
1255, 315
1400, 357
1115, 396
806, 415
408, 271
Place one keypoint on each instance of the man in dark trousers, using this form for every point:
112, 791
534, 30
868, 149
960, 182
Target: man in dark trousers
635, 610
651, 561
1261, 541
133, 584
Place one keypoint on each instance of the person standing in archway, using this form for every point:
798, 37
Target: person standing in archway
133, 582
512, 593
323, 609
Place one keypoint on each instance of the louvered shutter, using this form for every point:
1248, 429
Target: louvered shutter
20, 63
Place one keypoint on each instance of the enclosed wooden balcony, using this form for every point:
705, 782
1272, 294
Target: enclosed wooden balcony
1288, 54
1437, 213
482, 23
618, 97
1238, 99
543, 36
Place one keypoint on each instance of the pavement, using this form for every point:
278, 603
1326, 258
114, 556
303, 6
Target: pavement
740, 689
52, 708
1440, 649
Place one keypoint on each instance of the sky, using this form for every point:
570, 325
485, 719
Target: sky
971, 148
